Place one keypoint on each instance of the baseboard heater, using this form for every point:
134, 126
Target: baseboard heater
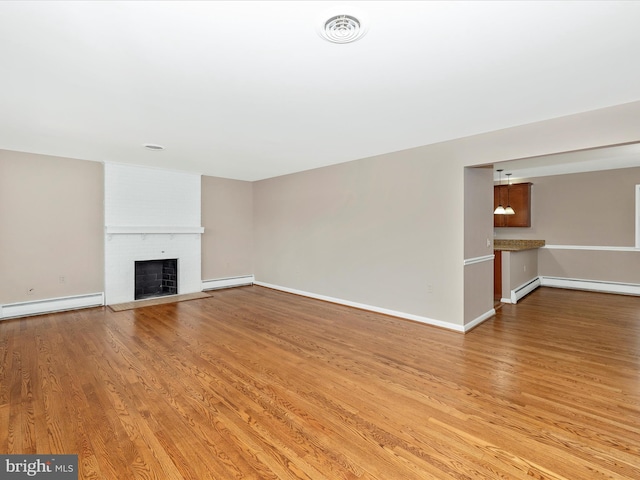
591, 285
227, 282
523, 290
50, 305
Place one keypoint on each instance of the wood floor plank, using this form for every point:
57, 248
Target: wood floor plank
254, 383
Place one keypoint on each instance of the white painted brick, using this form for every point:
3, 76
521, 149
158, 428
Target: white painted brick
148, 196
139, 196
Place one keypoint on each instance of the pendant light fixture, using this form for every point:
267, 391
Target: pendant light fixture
509, 210
500, 210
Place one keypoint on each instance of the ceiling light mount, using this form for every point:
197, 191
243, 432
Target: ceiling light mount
509, 210
500, 208
153, 147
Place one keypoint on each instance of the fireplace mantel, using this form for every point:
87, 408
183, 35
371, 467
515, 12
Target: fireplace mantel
151, 229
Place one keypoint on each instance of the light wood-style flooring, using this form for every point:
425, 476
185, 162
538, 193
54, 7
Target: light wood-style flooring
255, 383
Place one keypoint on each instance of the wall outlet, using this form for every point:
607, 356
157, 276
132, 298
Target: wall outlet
61, 279
31, 290
429, 288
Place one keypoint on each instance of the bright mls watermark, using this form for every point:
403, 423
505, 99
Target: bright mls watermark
49, 467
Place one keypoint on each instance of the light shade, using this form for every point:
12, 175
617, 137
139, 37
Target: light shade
509, 210
500, 210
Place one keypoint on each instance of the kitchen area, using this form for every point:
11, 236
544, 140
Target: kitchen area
516, 260
569, 220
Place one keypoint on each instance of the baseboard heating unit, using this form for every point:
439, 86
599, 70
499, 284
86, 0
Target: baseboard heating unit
522, 290
227, 282
49, 305
592, 285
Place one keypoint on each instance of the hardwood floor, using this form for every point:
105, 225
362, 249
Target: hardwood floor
254, 383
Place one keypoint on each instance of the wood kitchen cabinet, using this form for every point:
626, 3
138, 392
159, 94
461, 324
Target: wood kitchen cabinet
519, 197
497, 275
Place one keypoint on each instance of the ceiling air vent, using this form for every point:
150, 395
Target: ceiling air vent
342, 29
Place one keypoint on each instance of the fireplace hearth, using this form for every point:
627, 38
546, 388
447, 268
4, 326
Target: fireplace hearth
156, 278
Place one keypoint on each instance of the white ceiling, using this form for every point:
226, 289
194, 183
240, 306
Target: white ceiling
592, 160
249, 90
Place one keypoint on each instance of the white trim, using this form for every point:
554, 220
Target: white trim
385, 311
485, 258
151, 229
36, 307
227, 282
477, 321
592, 247
592, 285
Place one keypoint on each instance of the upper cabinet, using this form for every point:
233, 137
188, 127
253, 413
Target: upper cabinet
518, 196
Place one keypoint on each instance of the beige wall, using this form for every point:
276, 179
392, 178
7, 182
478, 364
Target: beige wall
478, 212
522, 267
478, 292
366, 231
51, 226
227, 218
478, 241
387, 230
584, 209
592, 208
604, 266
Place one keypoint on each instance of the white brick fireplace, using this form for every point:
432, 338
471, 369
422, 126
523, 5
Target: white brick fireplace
150, 214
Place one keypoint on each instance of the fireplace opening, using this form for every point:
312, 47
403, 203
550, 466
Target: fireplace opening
156, 278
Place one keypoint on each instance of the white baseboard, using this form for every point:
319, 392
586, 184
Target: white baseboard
49, 305
591, 285
477, 321
361, 306
227, 282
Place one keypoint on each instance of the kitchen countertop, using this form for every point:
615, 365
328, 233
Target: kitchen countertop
516, 245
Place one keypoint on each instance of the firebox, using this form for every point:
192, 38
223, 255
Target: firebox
156, 278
